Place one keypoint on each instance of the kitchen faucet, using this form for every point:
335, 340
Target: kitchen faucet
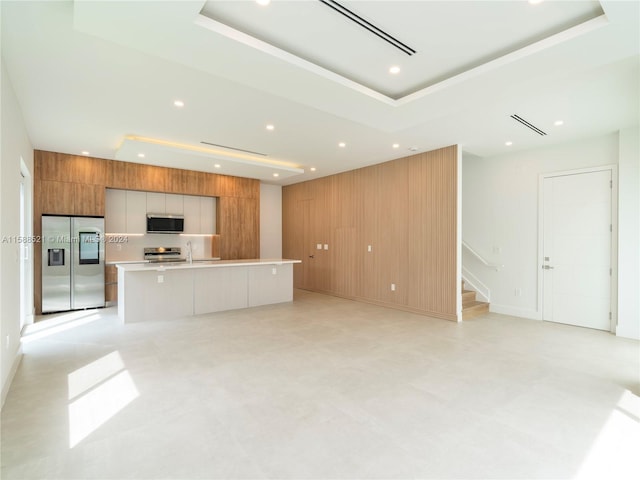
189, 254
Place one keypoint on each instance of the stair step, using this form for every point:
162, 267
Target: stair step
468, 296
474, 309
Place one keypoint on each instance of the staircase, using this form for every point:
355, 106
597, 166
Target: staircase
470, 306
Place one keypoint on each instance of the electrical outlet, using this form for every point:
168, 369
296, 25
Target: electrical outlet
369, 248
326, 246
319, 246
517, 292
160, 278
393, 287
274, 271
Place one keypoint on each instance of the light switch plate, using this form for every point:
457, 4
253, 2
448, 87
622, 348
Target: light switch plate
326, 246
319, 246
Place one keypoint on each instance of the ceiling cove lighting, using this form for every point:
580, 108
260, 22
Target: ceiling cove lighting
357, 19
394, 70
342, 144
178, 103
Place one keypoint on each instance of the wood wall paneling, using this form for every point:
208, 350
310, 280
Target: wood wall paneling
192, 182
405, 209
111, 283
238, 226
89, 199
56, 198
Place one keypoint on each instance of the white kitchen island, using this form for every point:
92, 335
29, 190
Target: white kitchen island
148, 291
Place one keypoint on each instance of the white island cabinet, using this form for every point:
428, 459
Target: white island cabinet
163, 291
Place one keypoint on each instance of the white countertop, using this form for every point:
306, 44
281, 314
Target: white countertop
125, 262
143, 267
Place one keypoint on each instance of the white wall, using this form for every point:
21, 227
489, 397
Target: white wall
629, 234
500, 215
15, 145
270, 221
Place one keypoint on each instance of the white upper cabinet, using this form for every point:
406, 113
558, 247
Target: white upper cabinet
174, 204
165, 203
208, 215
115, 211
199, 215
191, 214
126, 211
156, 203
136, 212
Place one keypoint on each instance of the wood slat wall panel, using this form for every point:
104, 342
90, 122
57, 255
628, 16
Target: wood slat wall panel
61, 167
405, 209
56, 198
238, 223
191, 182
88, 199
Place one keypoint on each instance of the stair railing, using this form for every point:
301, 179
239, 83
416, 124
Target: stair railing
494, 266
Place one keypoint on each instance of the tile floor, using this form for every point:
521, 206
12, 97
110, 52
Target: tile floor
320, 388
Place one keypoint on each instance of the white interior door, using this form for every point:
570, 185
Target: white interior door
577, 249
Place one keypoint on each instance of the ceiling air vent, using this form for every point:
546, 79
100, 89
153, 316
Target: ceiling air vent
234, 148
530, 126
354, 17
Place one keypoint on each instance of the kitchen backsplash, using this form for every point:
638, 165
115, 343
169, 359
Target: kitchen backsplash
120, 248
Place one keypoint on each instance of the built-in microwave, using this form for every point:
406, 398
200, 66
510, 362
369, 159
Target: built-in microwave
161, 223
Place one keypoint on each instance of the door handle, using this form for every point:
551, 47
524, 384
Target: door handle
547, 267
312, 256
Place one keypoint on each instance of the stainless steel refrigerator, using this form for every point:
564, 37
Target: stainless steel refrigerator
72, 263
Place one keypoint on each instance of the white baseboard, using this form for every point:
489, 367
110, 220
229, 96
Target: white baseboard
515, 311
14, 368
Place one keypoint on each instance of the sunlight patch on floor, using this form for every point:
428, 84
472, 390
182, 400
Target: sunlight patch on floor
58, 324
615, 452
101, 389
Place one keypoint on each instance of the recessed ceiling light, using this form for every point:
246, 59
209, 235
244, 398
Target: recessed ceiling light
535, 2
508, 144
313, 169
217, 165
394, 70
342, 144
557, 123
276, 174
179, 103
141, 155
264, 3
396, 145
84, 152
270, 127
